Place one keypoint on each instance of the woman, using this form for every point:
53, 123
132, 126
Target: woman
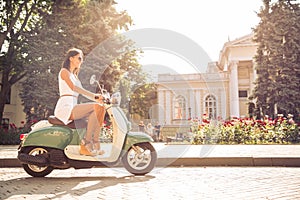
67, 108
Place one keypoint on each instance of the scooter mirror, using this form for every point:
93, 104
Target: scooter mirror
93, 79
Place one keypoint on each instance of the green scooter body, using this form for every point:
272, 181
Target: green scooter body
135, 138
60, 136
54, 136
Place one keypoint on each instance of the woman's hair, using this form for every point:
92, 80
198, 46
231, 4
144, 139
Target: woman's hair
71, 52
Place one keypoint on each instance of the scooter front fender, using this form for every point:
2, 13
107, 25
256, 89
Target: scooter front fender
136, 137
54, 136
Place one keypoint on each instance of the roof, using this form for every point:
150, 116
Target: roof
244, 41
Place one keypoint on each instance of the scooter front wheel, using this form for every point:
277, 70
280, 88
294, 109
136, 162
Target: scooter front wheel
34, 170
140, 158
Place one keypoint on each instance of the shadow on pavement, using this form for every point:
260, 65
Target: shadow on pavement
59, 187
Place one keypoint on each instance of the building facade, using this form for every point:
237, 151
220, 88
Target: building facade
220, 93
13, 110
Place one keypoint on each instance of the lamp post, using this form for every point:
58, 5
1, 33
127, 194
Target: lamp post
129, 109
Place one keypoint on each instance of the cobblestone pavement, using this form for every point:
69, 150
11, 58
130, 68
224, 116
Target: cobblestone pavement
161, 183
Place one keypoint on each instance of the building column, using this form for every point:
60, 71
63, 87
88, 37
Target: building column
223, 103
234, 90
168, 107
191, 110
161, 108
252, 76
197, 106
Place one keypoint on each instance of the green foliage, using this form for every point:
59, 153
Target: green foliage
37, 34
11, 136
278, 59
246, 131
17, 19
142, 98
90, 26
46, 51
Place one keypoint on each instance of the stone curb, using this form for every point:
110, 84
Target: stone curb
211, 161
231, 161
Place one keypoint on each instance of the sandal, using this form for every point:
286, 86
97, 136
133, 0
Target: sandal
86, 148
97, 147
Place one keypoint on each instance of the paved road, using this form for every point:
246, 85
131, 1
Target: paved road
161, 183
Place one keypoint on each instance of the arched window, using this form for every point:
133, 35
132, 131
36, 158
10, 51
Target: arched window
211, 106
179, 108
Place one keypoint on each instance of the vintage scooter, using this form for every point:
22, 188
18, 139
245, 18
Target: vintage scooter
52, 145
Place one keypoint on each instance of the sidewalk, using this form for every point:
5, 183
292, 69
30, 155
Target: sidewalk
202, 155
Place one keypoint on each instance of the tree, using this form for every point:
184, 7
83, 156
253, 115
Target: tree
48, 44
142, 99
278, 59
90, 26
17, 18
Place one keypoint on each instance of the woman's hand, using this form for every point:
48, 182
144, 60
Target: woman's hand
99, 98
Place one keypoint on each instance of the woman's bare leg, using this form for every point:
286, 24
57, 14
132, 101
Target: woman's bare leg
91, 111
85, 111
100, 112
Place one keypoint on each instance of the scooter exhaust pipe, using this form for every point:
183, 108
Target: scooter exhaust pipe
38, 160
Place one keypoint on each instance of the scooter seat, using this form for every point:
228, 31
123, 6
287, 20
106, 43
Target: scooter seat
75, 124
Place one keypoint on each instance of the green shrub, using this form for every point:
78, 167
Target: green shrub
11, 136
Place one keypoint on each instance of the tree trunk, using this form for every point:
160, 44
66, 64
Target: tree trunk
5, 88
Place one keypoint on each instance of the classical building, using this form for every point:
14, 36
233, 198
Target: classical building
13, 110
221, 92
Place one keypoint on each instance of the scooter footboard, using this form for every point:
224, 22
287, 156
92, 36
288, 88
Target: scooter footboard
54, 136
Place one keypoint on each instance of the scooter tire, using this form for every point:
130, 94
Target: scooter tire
133, 162
34, 170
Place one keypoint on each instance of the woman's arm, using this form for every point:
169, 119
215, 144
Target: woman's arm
65, 75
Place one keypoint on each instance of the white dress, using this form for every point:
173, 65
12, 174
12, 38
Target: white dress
67, 100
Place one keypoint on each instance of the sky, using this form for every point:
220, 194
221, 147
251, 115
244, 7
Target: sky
209, 24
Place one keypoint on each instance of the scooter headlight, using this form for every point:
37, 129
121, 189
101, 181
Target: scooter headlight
116, 98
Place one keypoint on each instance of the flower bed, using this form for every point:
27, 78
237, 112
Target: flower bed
11, 136
246, 131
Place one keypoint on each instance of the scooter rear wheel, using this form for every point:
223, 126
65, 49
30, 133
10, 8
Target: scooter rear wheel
140, 159
34, 170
